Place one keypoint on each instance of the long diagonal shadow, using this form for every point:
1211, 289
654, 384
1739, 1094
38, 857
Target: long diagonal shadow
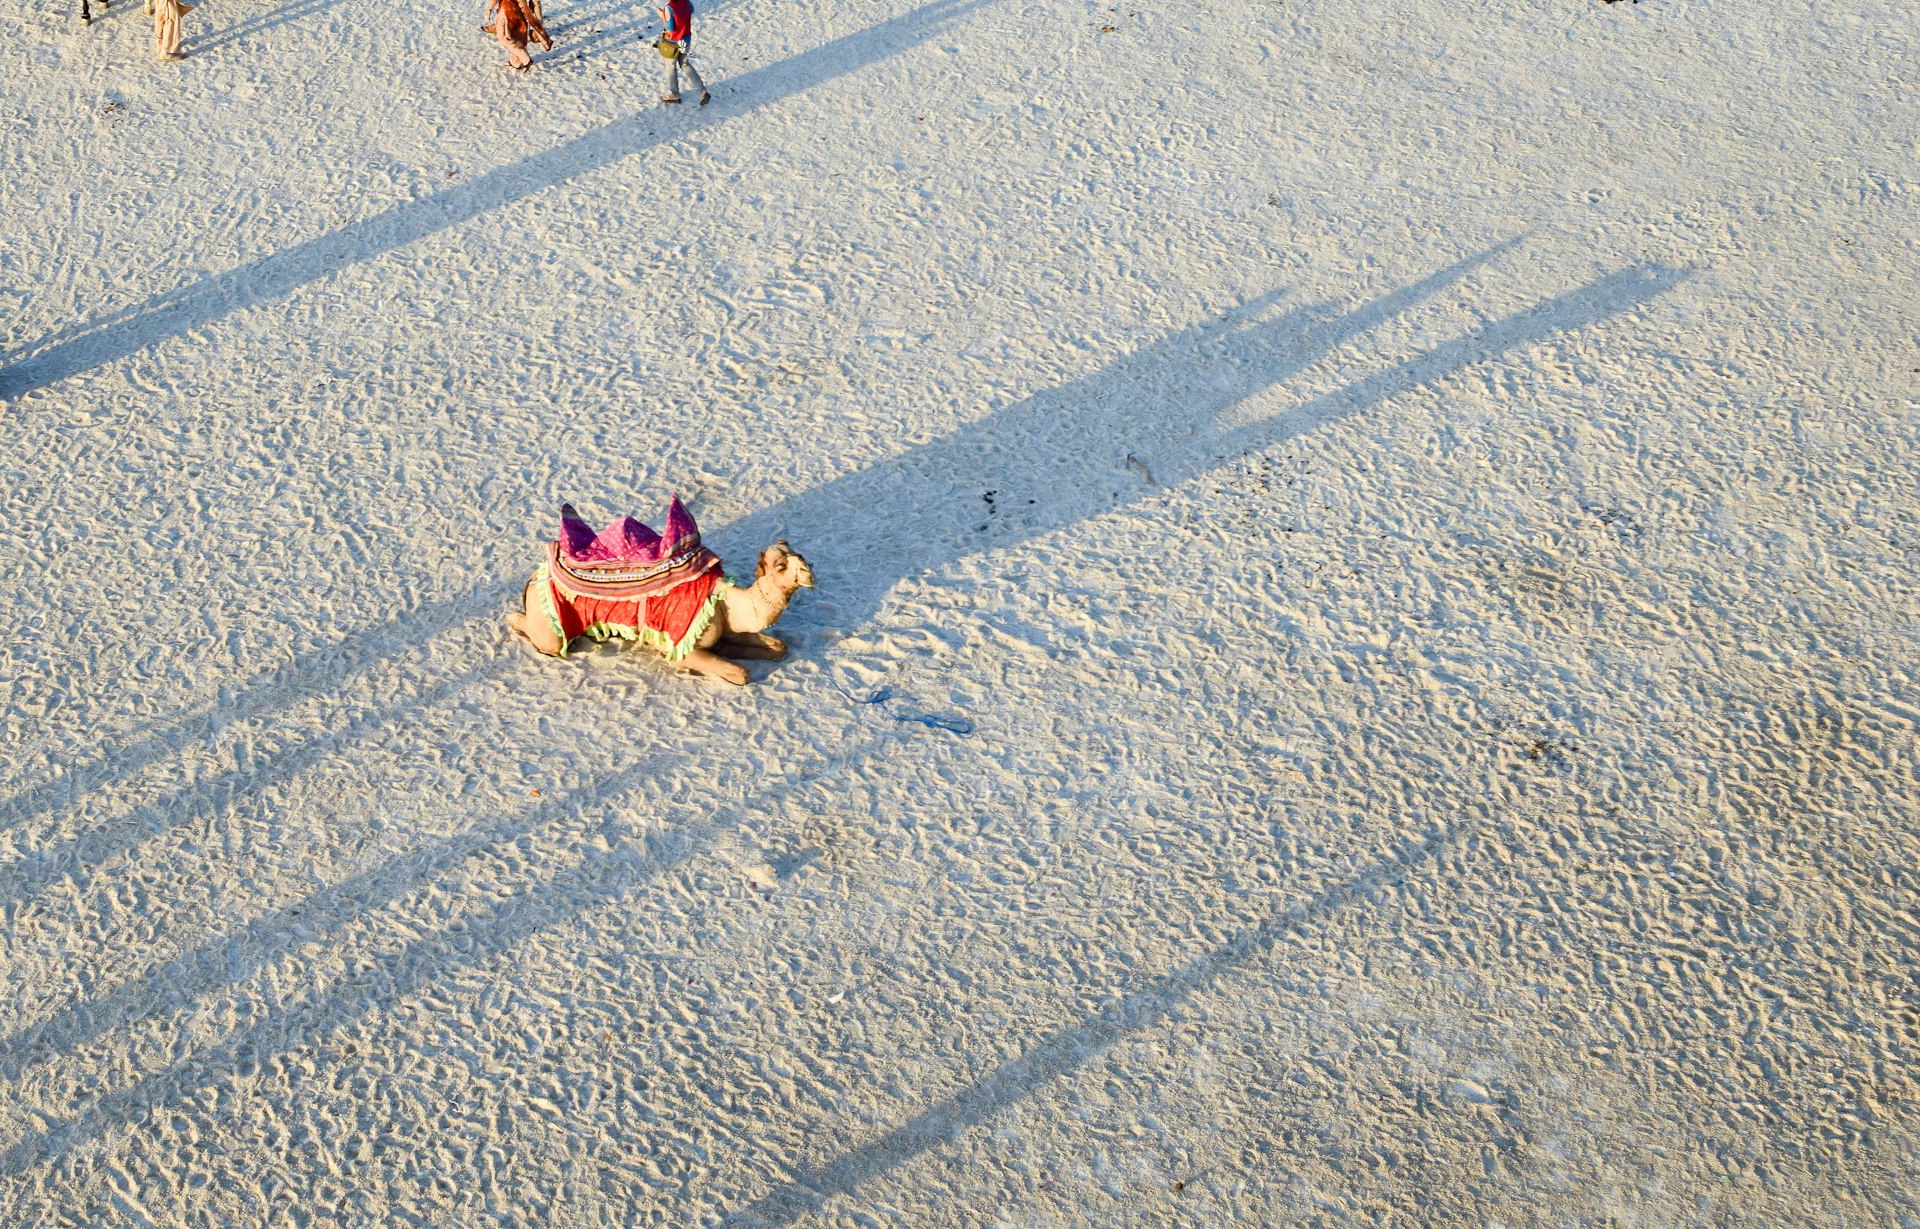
1051, 425
395, 975
120, 334
1157, 400
1045, 426
72, 856
1057, 421
1068, 1050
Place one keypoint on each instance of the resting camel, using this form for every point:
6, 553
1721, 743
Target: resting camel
666, 591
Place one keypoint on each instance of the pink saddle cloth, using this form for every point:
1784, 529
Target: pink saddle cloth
628, 581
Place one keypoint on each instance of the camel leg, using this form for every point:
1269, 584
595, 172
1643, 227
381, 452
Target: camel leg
538, 632
754, 646
704, 661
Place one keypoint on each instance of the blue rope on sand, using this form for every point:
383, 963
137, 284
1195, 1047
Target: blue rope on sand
957, 725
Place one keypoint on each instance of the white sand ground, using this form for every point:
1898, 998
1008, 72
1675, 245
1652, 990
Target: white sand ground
1474, 781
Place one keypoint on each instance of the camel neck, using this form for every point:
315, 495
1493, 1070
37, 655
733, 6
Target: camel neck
764, 604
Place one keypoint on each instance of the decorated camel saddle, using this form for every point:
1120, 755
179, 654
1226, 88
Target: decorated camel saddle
664, 590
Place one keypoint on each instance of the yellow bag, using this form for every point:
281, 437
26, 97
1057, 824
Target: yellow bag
669, 48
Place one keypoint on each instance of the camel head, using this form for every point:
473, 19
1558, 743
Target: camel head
784, 564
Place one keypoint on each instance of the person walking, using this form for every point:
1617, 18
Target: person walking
676, 43
166, 27
516, 24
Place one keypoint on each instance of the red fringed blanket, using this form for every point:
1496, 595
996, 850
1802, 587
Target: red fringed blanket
631, 582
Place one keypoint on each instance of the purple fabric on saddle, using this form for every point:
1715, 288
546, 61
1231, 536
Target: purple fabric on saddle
627, 541
627, 559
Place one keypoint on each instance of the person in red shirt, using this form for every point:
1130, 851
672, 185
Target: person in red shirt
676, 42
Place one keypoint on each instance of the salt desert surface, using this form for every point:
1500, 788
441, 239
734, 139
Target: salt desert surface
1387, 528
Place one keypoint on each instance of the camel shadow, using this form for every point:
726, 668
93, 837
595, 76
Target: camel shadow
1023, 447
1059, 457
1160, 401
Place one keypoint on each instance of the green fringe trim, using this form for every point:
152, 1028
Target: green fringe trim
542, 586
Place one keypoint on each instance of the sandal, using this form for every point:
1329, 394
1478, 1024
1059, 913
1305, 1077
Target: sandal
669, 98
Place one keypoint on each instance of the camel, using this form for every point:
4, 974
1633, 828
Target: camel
666, 592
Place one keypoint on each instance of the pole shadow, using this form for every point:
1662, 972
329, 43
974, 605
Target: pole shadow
1067, 1051
115, 336
598, 879
1157, 401
1046, 427
74, 856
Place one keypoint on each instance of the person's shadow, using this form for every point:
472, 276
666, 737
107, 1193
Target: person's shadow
254, 24
84, 345
1055, 458
1168, 401
1060, 456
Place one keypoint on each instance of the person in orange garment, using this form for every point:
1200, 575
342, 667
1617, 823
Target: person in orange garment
166, 27
516, 23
